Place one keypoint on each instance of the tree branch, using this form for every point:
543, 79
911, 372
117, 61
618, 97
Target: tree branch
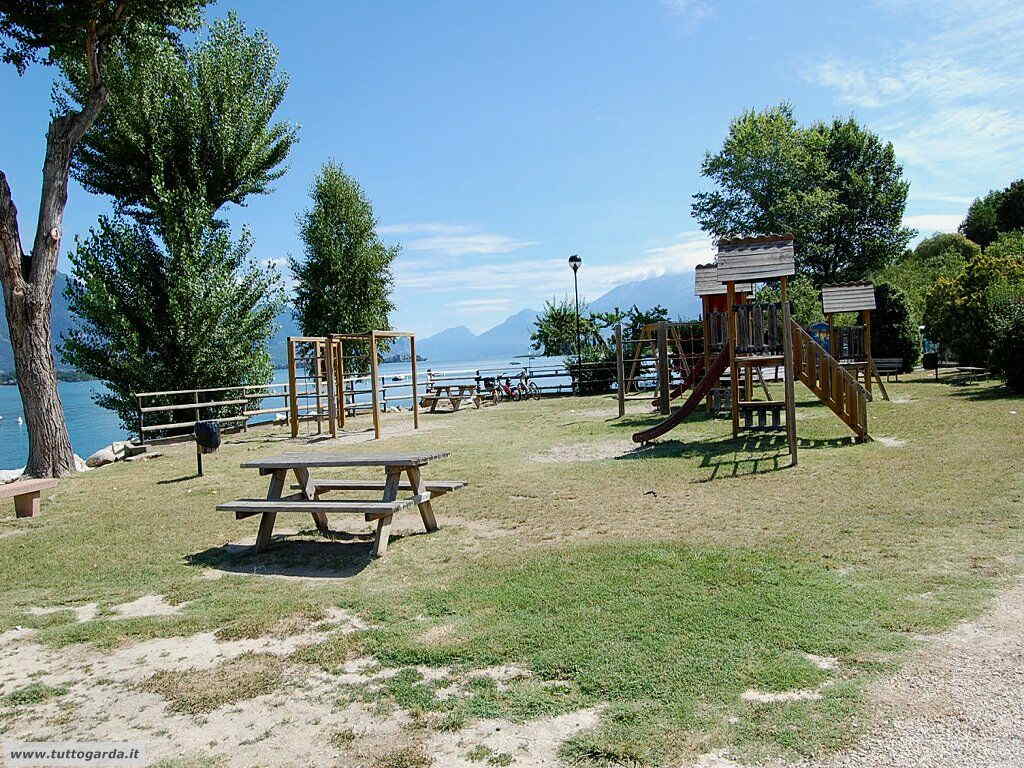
11, 254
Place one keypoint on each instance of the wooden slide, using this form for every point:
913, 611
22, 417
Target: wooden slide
714, 373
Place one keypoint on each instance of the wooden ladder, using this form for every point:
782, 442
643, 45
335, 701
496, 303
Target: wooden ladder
824, 376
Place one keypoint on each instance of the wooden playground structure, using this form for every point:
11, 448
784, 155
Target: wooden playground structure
318, 362
851, 345
741, 339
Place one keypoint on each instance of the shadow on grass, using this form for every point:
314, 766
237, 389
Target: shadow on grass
339, 555
766, 453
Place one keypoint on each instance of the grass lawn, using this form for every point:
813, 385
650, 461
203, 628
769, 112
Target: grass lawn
695, 596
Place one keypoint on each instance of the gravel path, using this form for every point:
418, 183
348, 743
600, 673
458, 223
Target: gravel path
958, 702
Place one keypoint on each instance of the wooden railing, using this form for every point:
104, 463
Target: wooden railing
226, 405
825, 377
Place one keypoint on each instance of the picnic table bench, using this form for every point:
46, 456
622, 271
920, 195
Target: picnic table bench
969, 373
308, 498
26, 494
453, 393
889, 367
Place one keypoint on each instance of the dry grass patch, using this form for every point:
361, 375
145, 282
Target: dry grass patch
196, 691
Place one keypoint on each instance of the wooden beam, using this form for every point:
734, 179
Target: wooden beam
293, 390
730, 302
787, 351
415, 396
620, 371
374, 384
663, 369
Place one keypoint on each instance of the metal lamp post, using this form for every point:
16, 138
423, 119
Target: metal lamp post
576, 262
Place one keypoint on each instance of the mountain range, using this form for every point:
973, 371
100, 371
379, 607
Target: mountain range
512, 336
509, 338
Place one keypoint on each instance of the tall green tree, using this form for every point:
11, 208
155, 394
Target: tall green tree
172, 302
343, 283
1010, 212
981, 224
836, 186
156, 318
914, 274
958, 309
556, 329
83, 35
190, 128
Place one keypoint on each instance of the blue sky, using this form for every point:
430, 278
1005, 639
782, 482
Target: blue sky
497, 139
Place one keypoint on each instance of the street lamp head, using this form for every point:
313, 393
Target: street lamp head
575, 262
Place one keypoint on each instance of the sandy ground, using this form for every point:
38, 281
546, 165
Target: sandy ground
955, 703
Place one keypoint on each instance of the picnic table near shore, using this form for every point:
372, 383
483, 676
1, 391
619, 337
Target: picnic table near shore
308, 499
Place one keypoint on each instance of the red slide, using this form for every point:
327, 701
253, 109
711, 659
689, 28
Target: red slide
714, 373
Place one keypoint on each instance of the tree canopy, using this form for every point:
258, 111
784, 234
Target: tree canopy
836, 186
169, 300
187, 126
914, 274
343, 283
555, 329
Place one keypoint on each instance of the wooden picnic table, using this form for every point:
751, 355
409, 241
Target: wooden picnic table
308, 500
453, 393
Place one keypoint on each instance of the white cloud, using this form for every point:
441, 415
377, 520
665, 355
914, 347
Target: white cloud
930, 223
423, 228
478, 306
953, 99
523, 281
454, 239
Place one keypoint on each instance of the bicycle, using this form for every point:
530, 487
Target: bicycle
527, 388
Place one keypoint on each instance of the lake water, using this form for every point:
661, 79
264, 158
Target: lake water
92, 427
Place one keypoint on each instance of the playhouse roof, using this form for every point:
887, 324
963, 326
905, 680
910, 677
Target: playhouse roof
847, 297
706, 282
756, 258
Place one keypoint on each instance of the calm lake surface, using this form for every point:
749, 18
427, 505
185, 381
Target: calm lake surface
92, 427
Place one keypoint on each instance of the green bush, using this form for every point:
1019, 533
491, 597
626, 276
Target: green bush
1007, 359
893, 333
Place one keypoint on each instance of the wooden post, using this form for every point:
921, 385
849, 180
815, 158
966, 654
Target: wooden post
293, 400
142, 433
415, 395
706, 323
663, 369
317, 356
869, 367
332, 401
734, 379
787, 351
620, 370
196, 401
833, 340
341, 382
374, 375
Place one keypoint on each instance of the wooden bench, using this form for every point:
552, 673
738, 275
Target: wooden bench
435, 487
372, 510
26, 494
889, 367
969, 374
453, 393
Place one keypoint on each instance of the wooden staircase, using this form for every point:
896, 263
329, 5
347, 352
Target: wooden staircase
825, 377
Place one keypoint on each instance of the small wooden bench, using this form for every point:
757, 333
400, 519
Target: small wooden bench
969, 374
445, 392
889, 367
26, 494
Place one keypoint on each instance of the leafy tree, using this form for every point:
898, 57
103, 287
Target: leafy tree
1010, 212
191, 131
1006, 302
942, 255
555, 332
805, 297
981, 224
187, 127
893, 330
836, 186
344, 281
49, 32
957, 310
156, 318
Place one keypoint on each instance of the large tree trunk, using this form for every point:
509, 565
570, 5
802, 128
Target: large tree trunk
28, 294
